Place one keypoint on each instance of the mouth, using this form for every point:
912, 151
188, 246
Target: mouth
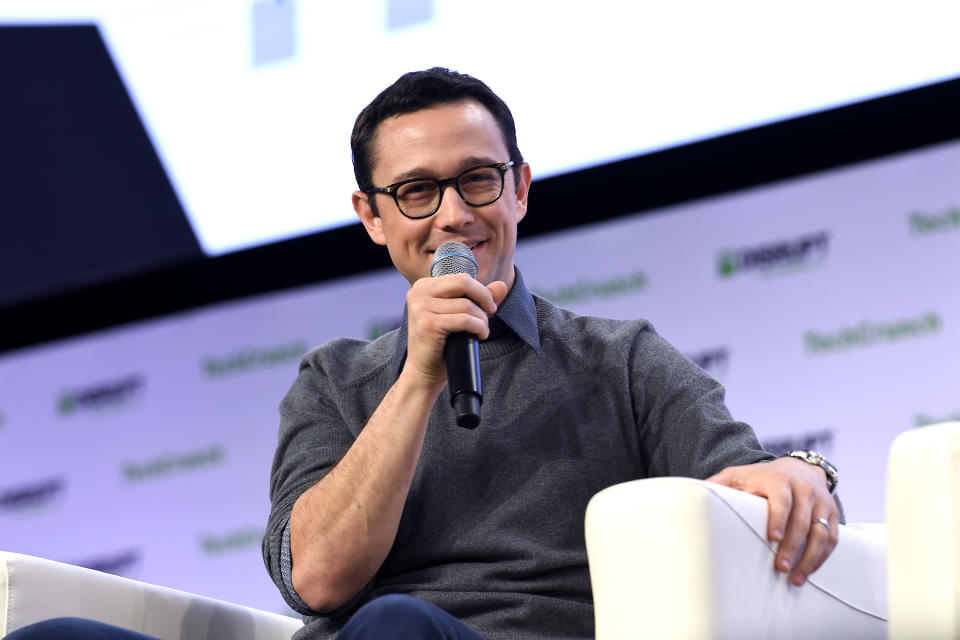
471, 245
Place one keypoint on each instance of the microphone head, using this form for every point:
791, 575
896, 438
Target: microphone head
453, 257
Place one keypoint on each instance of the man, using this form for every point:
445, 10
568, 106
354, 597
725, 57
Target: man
388, 520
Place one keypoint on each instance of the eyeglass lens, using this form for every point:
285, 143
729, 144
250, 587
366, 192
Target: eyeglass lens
478, 187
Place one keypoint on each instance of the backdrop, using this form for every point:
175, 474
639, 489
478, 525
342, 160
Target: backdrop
828, 305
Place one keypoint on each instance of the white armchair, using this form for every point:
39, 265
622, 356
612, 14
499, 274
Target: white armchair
923, 509
33, 589
682, 558
669, 558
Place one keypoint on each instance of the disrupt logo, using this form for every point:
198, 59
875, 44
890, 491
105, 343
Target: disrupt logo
169, 463
775, 256
383, 326
101, 395
713, 361
922, 223
583, 290
252, 358
820, 441
118, 563
231, 541
922, 419
868, 333
29, 496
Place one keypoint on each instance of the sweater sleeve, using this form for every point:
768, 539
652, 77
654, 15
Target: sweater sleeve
313, 436
685, 428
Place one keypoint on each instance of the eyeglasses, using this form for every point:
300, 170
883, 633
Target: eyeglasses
419, 198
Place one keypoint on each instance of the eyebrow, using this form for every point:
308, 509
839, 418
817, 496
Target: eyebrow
420, 172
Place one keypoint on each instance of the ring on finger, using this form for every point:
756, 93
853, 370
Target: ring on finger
822, 521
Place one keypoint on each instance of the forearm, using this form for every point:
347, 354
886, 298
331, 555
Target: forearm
342, 528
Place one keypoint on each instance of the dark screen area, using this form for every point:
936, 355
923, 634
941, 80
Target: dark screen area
83, 196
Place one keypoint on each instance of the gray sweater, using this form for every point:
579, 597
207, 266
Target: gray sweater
492, 529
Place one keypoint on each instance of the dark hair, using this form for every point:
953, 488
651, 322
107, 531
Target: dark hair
419, 90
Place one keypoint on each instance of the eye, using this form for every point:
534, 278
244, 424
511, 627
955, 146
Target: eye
420, 189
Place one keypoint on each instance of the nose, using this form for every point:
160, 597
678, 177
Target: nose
453, 213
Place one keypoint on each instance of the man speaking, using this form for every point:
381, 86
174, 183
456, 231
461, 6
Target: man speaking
388, 519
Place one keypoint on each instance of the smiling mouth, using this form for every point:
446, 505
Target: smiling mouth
471, 245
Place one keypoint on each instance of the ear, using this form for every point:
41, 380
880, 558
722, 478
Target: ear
371, 221
523, 176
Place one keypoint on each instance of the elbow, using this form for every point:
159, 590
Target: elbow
322, 593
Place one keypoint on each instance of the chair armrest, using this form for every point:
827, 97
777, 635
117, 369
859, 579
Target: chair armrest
923, 510
34, 589
683, 558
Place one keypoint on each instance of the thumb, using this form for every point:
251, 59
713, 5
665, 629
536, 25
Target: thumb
725, 477
498, 289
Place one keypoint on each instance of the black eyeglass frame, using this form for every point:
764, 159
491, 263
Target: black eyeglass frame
391, 189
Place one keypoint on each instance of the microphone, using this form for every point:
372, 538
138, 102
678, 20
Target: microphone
461, 352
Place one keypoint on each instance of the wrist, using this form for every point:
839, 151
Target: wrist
817, 460
417, 385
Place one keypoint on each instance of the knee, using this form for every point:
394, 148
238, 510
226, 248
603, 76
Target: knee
396, 606
394, 616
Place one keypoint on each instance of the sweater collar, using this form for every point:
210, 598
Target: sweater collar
517, 314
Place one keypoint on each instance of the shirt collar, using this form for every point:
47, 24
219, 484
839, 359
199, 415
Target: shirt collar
518, 313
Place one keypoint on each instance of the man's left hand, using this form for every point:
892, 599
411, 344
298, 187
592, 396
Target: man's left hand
797, 494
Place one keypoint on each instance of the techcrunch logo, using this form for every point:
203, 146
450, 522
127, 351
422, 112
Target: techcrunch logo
868, 333
923, 223
171, 463
252, 358
31, 496
229, 542
118, 563
584, 290
820, 441
922, 419
775, 257
100, 396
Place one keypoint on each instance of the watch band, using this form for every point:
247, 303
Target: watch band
814, 458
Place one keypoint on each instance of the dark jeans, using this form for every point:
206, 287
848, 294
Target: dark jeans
75, 629
386, 618
399, 617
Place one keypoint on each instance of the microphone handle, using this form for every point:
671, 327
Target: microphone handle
462, 356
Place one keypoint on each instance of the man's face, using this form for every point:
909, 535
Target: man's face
440, 142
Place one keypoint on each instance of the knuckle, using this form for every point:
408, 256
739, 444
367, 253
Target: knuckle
803, 490
819, 533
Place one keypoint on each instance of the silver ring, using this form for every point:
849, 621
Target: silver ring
822, 521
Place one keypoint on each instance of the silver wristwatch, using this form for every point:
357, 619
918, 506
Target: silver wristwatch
812, 457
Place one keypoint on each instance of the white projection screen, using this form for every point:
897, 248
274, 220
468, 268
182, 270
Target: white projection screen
824, 297
250, 103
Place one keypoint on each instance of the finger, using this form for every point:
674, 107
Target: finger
451, 287
444, 306
798, 527
817, 538
832, 538
460, 285
780, 503
449, 318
